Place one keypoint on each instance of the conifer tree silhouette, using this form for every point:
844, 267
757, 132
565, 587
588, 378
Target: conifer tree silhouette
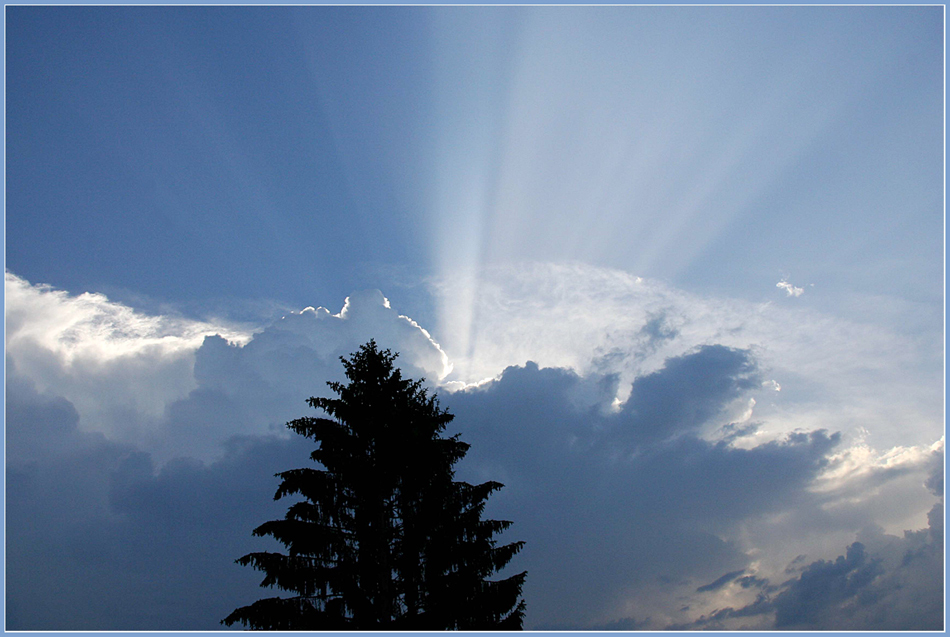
383, 538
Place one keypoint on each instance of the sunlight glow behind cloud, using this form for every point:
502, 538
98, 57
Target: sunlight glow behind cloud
127, 372
632, 146
104, 356
833, 372
91, 326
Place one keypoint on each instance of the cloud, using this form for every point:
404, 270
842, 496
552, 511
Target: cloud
264, 384
885, 583
639, 504
687, 392
790, 290
141, 450
118, 367
879, 368
638, 521
720, 582
639, 478
175, 385
99, 538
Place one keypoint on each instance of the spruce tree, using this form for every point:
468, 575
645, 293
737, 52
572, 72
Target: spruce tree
382, 536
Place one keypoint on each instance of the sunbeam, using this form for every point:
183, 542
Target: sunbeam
647, 145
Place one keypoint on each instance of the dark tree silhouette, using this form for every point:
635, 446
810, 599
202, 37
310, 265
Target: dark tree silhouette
383, 537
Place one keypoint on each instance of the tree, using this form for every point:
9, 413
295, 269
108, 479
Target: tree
382, 536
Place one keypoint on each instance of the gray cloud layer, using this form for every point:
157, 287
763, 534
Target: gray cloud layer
611, 505
670, 509
883, 583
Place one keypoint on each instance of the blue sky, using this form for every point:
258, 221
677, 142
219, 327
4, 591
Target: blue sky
673, 246
310, 146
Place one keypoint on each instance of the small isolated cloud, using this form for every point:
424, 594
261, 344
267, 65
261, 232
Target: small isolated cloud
790, 290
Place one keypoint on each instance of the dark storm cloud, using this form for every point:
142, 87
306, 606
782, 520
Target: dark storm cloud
606, 502
38, 425
935, 481
142, 534
890, 583
823, 585
127, 544
686, 393
56, 511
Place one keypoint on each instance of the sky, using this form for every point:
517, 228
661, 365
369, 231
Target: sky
677, 271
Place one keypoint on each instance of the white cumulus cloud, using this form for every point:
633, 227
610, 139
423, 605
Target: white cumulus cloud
162, 381
119, 367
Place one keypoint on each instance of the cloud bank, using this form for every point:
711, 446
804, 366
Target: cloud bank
649, 479
658, 527
180, 386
